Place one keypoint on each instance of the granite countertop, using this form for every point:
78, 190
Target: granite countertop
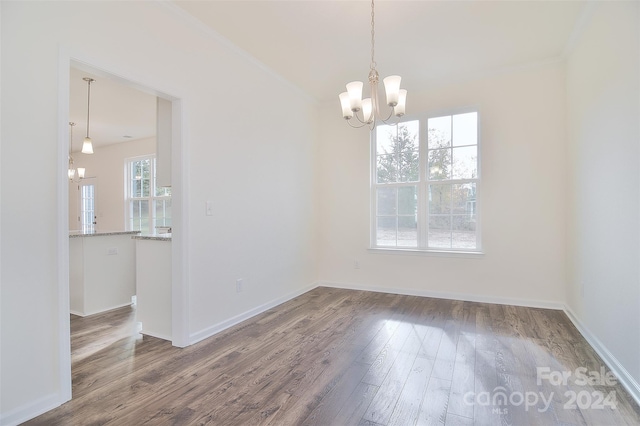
76, 234
157, 237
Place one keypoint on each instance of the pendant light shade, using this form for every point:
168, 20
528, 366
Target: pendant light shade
87, 145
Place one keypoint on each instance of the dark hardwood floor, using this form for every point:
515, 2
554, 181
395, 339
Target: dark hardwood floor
342, 357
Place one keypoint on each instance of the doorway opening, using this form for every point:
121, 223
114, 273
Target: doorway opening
88, 207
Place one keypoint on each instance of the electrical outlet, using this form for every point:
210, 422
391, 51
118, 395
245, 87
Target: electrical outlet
356, 264
111, 251
239, 285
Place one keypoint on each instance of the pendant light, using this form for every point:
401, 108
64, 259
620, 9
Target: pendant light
72, 170
352, 102
87, 145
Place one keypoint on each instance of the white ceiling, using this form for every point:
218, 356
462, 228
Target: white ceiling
321, 45
117, 110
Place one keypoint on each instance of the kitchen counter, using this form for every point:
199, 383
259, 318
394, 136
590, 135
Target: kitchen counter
77, 234
156, 237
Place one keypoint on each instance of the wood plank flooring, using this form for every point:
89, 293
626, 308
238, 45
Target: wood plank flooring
343, 357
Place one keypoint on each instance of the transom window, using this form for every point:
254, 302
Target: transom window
148, 206
425, 184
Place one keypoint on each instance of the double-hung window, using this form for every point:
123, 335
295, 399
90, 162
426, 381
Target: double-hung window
148, 206
425, 184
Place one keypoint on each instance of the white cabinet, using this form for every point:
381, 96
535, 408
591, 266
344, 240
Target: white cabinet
153, 278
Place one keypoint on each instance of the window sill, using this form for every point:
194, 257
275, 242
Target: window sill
431, 252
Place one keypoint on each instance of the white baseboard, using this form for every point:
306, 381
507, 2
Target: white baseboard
451, 296
33, 409
86, 314
156, 335
626, 379
217, 328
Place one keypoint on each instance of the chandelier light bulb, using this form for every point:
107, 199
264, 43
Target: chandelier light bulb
355, 95
367, 110
398, 110
392, 87
346, 105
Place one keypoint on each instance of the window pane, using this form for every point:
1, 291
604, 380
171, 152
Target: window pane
387, 201
465, 162
439, 164
163, 212
407, 231
407, 200
409, 166
465, 129
136, 188
464, 199
464, 232
140, 215
439, 134
387, 168
439, 231
386, 231
439, 199
146, 187
384, 139
141, 178
408, 139
164, 191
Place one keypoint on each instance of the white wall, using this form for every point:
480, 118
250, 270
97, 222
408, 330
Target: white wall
249, 139
106, 165
522, 117
603, 99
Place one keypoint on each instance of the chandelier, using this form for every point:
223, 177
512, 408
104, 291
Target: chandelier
72, 170
367, 111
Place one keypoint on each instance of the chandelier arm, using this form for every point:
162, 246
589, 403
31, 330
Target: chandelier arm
360, 120
356, 126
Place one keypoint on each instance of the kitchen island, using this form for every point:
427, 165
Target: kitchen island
102, 272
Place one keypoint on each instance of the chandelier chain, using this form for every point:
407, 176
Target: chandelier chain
373, 32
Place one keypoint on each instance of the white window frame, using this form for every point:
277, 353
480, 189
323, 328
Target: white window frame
151, 199
423, 189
